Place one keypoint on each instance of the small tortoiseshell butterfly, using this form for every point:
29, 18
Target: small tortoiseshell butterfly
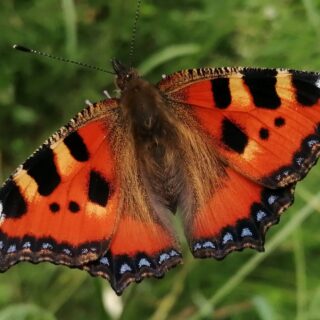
223, 147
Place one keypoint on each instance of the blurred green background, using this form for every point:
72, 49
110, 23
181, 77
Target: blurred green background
38, 95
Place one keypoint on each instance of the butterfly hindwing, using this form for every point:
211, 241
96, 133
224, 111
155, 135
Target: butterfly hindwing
237, 216
265, 123
61, 204
140, 248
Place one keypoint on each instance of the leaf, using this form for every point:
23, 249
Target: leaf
167, 54
264, 309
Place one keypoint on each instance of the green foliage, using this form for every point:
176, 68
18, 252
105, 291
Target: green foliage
25, 312
38, 95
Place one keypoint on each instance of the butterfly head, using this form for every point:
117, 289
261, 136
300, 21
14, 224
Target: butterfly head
124, 74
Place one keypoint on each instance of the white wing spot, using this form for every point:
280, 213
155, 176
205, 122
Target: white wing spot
67, 251
163, 76
197, 246
317, 83
173, 253
272, 199
144, 263
286, 173
2, 215
246, 232
84, 251
299, 161
12, 248
227, 237
26, 245
163, 257
208, 244
105, 261
125, 268
312, 142
278, 177
1, 245
47, 245
261, 215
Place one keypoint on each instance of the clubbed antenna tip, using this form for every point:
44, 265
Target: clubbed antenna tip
21, 48
44, 54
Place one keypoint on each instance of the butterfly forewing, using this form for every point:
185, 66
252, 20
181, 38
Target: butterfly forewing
264, 122
61, 204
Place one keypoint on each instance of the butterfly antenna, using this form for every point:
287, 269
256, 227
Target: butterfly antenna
134, 32
44, 54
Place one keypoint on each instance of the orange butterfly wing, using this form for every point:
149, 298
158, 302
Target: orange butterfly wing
264, 122
264, 125
68, 204
237, 216
81, 200
140, 248
61, 204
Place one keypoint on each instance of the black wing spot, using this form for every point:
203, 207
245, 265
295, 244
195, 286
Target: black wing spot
13, 203
77, 147
233, 136
74, 207
264, 133
307, 92
279, 122
42, 169
262, 86
98, 189
54, 207
221, 92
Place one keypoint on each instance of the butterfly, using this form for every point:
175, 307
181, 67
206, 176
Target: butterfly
221, 147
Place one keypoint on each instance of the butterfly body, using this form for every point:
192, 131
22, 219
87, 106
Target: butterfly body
153, 134
163, 145
222, 147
